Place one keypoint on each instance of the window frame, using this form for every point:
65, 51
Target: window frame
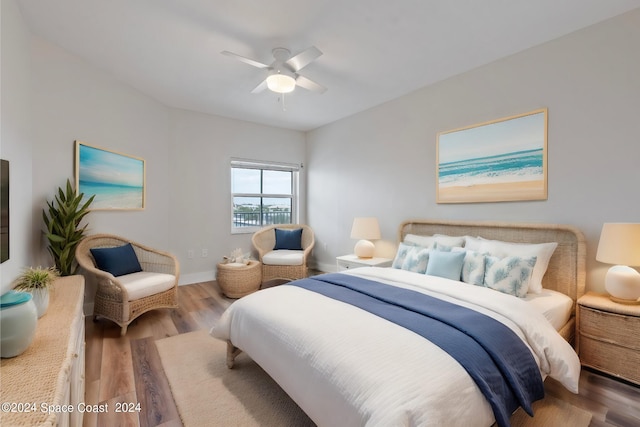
236, 163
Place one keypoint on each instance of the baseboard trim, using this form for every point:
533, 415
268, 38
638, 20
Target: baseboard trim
324, 267
203, 276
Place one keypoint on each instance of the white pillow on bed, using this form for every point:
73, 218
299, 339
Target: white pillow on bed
473, 243
542, 252
428, 241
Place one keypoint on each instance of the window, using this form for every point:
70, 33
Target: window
262, 194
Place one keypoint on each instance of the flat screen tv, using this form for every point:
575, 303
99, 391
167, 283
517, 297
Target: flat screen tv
4, 210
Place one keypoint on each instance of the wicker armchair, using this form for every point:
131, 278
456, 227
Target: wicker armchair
112, 299
264, 241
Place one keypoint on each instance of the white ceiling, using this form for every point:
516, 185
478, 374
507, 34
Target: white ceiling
374, 51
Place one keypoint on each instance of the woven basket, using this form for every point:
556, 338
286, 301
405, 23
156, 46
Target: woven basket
238, 281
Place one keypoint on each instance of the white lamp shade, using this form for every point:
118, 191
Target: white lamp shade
620, 244
365, 228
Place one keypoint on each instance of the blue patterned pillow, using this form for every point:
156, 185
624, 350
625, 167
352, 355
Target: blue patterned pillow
510, 275
416, 259
401, 254
445, 264
472, 267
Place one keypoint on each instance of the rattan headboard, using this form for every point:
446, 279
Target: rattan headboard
566, 271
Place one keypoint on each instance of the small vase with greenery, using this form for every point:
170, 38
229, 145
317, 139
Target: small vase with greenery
63, 227
37, 282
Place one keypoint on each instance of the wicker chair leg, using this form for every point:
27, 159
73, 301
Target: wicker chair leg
123, 331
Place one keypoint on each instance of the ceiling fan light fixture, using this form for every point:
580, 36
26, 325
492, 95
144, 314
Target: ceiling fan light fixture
281, 83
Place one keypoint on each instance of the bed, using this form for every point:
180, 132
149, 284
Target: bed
352, 365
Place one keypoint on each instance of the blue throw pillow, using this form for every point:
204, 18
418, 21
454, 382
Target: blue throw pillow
445, 264
118, 261
289, 239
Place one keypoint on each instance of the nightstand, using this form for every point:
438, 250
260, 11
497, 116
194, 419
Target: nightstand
609, 336
345, 262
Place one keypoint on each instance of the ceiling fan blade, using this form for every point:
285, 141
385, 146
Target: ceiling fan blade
303, 59
245, 60
262, 86
308, 84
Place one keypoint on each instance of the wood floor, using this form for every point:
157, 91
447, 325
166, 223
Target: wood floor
127, 370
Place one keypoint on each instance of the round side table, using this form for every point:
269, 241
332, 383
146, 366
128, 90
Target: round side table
239, 280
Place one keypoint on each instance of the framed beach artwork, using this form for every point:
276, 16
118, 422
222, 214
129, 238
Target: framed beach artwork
497, 161
117, 180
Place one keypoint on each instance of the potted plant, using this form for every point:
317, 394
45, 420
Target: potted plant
37, 281
62, 220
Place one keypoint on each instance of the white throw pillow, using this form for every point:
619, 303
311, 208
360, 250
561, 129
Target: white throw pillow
542, 252
414, 239
473, 243
428, 241
453, 241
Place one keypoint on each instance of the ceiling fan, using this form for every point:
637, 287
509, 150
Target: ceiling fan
283, 74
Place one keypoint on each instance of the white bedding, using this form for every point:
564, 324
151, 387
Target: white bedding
554, 306
344, 366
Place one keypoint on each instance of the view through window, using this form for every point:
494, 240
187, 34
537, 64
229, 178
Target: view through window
262, 194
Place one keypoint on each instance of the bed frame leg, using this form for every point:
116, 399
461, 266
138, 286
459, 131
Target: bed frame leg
232, 352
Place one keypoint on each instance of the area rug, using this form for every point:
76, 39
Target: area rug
207, 393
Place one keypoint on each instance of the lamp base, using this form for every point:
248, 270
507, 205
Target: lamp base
623, 284
364, 249
624, 301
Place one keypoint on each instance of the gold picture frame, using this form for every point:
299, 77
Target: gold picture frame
496, 161
117, 180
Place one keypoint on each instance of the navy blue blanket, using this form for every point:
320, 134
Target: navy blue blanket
493, 355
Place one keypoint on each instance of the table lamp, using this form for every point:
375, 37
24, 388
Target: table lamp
620, 244
365, 229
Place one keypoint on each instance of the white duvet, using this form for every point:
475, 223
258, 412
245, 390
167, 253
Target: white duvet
344, 366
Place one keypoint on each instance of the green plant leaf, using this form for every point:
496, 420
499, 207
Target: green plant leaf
62, 219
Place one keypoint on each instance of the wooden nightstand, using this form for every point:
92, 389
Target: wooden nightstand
346, 262
609, 336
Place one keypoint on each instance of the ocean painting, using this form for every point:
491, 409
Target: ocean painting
117, 180
502, 160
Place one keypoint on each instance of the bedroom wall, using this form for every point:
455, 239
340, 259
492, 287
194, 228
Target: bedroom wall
187, 158
200, 215
381, 162
15, 136
74, 101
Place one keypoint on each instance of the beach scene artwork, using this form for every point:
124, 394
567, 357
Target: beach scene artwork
117, 180
501, 160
